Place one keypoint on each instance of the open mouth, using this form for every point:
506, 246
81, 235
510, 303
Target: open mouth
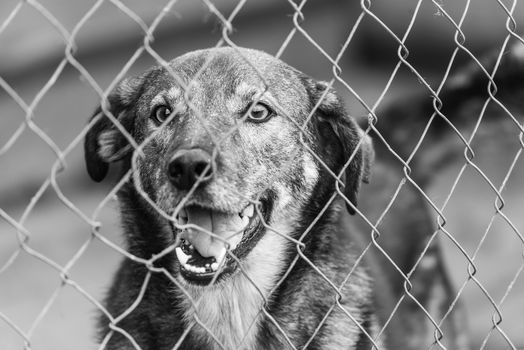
209, 235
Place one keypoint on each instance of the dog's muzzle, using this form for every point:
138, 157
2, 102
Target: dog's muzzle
205, 234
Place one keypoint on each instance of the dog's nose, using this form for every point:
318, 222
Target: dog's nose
187, 166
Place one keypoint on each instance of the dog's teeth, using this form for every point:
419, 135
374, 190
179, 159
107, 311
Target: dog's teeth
207, 268
221, 256
248, 211
195, 269
181, 256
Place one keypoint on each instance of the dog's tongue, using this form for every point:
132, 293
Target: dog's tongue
223, 225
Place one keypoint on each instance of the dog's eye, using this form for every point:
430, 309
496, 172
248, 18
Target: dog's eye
260, 113
161, 113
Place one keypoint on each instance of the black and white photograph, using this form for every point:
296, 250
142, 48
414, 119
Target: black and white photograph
252, 175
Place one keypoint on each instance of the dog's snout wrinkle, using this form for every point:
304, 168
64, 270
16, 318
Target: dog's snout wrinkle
188, 166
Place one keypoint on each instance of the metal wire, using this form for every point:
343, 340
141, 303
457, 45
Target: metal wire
298, 20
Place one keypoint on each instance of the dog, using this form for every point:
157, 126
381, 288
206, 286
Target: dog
244, 209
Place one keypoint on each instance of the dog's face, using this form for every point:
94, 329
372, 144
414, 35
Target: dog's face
229, 147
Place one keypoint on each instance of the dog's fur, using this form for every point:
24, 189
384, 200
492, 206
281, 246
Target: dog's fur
283, 294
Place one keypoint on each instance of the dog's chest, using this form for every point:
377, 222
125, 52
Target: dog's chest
229, 315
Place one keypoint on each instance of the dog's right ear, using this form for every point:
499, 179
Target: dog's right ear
104, 142
342, 136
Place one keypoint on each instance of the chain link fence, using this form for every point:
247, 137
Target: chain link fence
60, 240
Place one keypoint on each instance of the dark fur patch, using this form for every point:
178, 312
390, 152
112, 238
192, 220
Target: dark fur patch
332, 122
121, 104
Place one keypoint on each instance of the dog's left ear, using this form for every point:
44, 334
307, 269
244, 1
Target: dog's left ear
104, 142
342, 137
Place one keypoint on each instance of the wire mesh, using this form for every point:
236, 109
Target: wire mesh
24, 329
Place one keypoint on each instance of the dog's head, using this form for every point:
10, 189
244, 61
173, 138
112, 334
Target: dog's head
231, 141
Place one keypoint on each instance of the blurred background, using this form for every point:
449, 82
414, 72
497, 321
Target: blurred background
33, 69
